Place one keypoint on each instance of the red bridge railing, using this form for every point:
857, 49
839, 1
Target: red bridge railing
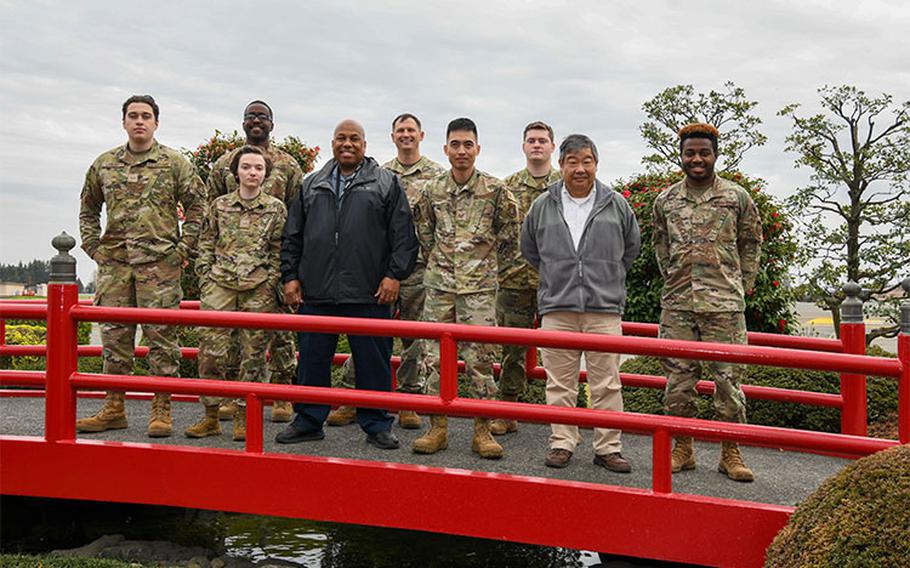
444, 500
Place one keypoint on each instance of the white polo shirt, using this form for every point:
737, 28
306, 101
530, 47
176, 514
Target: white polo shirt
575, 211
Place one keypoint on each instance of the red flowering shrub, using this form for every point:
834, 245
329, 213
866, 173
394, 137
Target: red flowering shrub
769, 307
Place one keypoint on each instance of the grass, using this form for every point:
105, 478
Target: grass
51, 561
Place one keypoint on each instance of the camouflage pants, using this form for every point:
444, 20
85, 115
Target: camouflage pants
683, 374
147, 285
514, 308
471, 309
282, 354
412, 372
215, 343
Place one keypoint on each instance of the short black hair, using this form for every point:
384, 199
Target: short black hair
145, 99
263, 103
698, 130
538, 125
405, 116
576, 143
461, 124
250, 149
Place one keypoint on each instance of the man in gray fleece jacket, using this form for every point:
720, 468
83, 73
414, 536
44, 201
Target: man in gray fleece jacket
581, 237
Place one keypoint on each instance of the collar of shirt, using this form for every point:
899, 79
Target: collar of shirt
703, 196
456, 188
404, 170
151, 155
342, 182
578, 201
236, 199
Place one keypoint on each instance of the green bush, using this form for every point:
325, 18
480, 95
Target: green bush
858, 517
34, 332
881, 395
52, 561
770, 306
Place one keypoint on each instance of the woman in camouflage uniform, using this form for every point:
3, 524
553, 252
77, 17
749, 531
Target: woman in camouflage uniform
238, 271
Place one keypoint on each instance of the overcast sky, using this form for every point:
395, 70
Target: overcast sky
582, 66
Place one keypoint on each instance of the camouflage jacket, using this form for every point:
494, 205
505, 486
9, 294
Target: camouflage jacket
466, 232
525, 188
707, 247
240, 243
283, 182
413, 178
141, 200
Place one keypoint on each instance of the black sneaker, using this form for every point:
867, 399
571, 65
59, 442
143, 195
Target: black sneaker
383, 440
293, 435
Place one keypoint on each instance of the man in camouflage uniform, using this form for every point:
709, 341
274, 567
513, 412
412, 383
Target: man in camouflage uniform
516, 300
141, 253
414, 171
238, 269
284, 184
707, 237
467, 224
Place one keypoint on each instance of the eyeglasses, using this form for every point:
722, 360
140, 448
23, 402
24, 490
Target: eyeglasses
254, 115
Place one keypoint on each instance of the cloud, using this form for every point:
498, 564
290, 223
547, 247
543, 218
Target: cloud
583, 66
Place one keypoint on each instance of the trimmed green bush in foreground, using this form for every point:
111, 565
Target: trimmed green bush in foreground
881, 395
859, 517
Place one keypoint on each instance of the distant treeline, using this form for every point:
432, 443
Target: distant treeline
35, 272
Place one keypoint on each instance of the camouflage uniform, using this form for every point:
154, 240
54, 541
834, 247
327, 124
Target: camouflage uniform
466, 233
708, 250
238, 271
516, 300
283, 184
411, 373
141, 253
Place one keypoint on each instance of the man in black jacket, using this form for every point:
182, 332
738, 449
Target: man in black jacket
348, 242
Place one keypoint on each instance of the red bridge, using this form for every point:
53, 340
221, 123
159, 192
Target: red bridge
650, 522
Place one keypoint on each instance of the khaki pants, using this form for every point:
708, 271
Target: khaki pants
563, 366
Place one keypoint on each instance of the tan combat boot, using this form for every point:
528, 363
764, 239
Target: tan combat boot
500, 426
282, 411
683, 455
160, 418
483, 442
227, 409
342, 416
208, 426
435, 439
408, 419
112, 416
239, 433
731, 463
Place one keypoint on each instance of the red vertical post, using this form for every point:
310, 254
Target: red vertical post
2, 331
254, 424
903, 354
853, 386
661, 476
448, 368
62, 295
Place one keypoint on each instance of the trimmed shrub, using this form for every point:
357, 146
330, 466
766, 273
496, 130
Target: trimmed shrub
881, 395
858, 517
34, 332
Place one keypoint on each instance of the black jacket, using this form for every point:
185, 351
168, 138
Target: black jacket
340, 254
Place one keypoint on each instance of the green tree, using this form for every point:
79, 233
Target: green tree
855, 210
729, 111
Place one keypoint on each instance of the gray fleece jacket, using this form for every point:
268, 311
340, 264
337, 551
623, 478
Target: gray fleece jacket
593, 278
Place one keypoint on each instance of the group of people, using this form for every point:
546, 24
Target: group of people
356, 239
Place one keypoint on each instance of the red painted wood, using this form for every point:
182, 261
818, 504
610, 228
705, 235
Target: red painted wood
578, 515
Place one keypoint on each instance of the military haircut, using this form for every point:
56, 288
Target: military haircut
144, 99
698, 130
405, 116
461, 124
263, 103
249, 149
576, 143
538, 125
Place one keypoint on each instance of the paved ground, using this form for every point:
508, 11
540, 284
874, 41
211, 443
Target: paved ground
782, 477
